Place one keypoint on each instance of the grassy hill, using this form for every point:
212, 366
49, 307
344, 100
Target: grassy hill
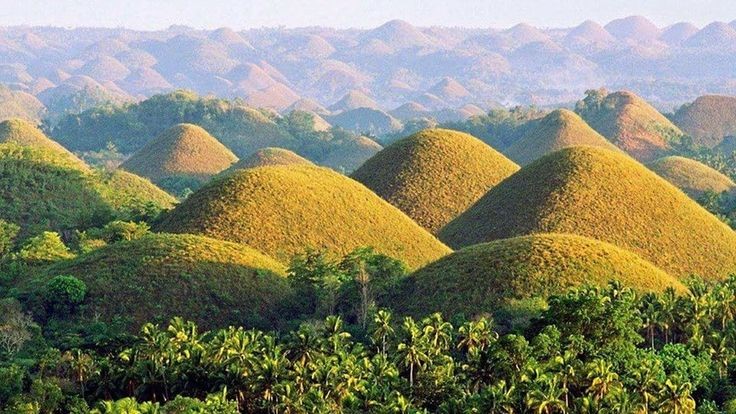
690, 176
184, 150
708, 119
351, 154
24, 133
435, 174
269, 156
486, 277
159, 276
607, 196
281, 210
629, 122
131, 195
560, 129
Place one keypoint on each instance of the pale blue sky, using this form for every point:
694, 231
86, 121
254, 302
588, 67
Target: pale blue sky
241, 14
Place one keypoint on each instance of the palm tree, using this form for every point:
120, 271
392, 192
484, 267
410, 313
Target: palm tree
476, 335
675, 397
412, 351
382, 329
602, 378
650, 314
499, 398
544, 397
437, 331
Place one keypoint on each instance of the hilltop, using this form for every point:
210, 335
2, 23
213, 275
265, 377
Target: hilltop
486, 277
184, 150
131, 195
351, 154
559, 129
708, 119
607, 196
690, 176
159, 276
269, 156
435, 174
24, 133
281, 210
629, 122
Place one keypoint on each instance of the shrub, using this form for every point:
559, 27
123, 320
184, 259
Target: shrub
64, 293
46, 247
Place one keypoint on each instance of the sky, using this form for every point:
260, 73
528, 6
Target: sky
244, 14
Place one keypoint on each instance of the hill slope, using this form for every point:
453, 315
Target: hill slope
435, 174
159, 276
485, 277
269, 156
560, 129
282, 210
131, 195
690, 176
607, 196
708, 119
24, 133
183, 150
630, 123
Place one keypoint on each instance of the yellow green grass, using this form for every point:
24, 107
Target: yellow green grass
607, 196
159, 276
486, 277
24, 133
282, 210
692, 177
123, 190
269, 156
634, 126
560, 129
435, 174
184, 150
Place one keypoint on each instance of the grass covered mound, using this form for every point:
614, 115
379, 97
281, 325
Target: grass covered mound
486, 277
184, 150
41, 189
692, 177
435, 174
353, 152
159, 276
708, 119
607, 196
21, 132
127, 192
560, 129
281, 210
630, 123
269, 156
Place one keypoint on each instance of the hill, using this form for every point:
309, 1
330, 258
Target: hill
560, 129
132, 196
269, 156
629, 122
607, 196
18, 104
184, 150
351, 154
435, 174
708, 119
635, 28
354, 100
24, 133
486, 277
281, 210
690, 176
159, 276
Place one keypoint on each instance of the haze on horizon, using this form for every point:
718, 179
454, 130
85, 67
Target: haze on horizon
243, 14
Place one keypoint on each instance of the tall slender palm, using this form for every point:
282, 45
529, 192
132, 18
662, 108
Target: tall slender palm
675, 397
412, 351
544, 397
602, 378
382, 330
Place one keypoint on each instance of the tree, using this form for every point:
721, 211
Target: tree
15, 327
382, 330
412, 350
64, 293
44, 248
675, 397
544, 397
8, 233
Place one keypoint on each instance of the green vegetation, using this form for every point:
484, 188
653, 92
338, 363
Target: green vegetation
281, 210
692, 177
607, 196
560, 129
158, 276
500, 128
182, 151
24, 133
489, 277
47, 247
434, 175
630, 123
592, 350
131, 196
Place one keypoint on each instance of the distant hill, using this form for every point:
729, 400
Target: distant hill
211, 282
487, 277
633, 28
560, 129
629, 122
692, 177
17, 104
365, 120
708, 119
269, 156
184, 150
133, 197
24, 133
354, 100
281, 210
604, 195
435, 174
351, 154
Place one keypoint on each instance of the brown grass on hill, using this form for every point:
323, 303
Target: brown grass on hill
485, 277
560, 129
708, 119
607, 196
24, 133
435, 174
690, 176
282, 210
182, 150
269, 156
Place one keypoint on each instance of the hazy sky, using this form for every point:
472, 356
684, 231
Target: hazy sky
241, 14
